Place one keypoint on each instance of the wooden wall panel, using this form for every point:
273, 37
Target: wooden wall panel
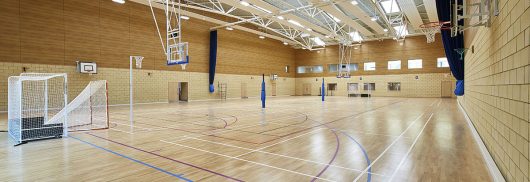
9, 31
82, 31
62, 32
380, 52
42, 31
114, 34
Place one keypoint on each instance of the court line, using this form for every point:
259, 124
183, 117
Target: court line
261, 148
244, 160
281, 155
410, 149
132, 159
369, 172
388, 148
332, 159
164, 157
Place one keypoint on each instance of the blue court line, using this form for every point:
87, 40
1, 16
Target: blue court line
137, 161
365, 155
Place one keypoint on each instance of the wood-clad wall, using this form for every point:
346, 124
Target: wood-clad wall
380, 52
61, 32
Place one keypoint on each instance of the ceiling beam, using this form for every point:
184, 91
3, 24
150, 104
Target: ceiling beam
302, 21
216, 21
363, 16
430, 6
408, 7
332, 10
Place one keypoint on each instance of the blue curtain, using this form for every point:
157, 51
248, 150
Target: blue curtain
452, 43
213, 58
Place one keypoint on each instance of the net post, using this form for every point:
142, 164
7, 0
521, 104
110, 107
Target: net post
65, 125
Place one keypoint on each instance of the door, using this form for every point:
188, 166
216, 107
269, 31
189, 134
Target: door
273, 89
447, 89
183, 91
331, 89
307, 89
244, 90
173, 92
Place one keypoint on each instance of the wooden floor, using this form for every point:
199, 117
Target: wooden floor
294, 139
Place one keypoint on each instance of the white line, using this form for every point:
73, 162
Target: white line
132, 126
121, 131
295, 158
274, 167
280, 142
391, 144
410, 149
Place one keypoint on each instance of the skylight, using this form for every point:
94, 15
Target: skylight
318, 41
356, 37
390, 6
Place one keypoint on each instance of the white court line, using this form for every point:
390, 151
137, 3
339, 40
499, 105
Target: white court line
121, 131
410, 149
123, 124
244, 160
388, 148
295, 158
280, 142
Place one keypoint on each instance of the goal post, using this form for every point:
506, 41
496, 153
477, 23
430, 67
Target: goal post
87, 111
34, 98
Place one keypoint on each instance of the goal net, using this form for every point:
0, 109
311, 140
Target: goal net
34, 98
88, 111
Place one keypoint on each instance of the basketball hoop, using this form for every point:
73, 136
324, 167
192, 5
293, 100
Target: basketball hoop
430, 29
138, 61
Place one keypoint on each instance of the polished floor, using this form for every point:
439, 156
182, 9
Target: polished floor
293, 139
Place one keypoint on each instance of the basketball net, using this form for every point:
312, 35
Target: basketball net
430, 29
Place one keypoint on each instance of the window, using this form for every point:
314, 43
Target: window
394, 65
369, 66
309, 69
353, 87
394, 86
442, 63
335, 67
369, 86
415, 64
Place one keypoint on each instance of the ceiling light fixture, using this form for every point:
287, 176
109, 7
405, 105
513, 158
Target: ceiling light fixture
119, 1
184, 17
229, 28
374, 18
280, 17
285, 43
295, 23
308, 29
262, 37
354, 2
244, 3
386, 30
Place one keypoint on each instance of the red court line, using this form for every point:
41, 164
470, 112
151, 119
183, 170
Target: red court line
332, 159
171, 159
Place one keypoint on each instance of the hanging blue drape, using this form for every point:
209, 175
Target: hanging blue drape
451, 43
213, 58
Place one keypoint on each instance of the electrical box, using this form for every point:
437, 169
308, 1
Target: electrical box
87, 67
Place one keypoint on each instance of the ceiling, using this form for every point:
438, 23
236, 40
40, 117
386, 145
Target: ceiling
313, 24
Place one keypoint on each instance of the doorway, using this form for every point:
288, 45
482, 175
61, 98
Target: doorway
273, 89
331, 89
307, 89
244, 91
447, 89
177, 91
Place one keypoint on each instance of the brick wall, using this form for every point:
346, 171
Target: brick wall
497, 84
149, 85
